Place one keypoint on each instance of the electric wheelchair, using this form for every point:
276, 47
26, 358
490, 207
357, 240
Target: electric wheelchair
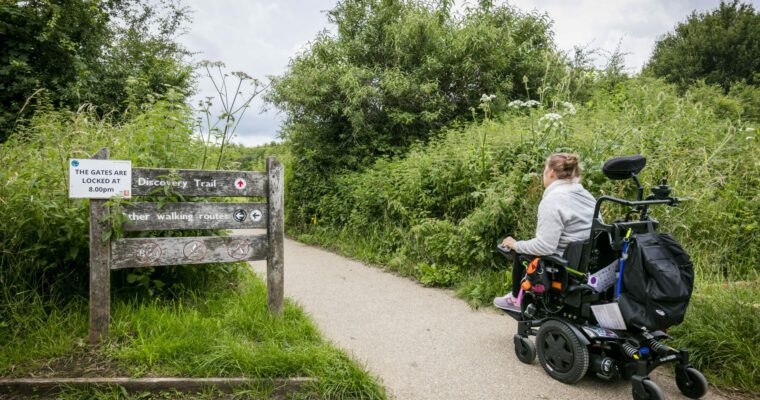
562, 301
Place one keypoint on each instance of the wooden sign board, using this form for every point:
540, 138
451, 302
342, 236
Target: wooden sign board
176, 216
163, 251
197, 183
151, 252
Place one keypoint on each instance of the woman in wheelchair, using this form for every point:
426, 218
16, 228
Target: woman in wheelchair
628, 283
564, 216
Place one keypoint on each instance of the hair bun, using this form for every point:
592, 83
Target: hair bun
565, 165
571, 161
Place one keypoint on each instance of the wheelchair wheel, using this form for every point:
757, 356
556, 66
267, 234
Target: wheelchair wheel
691, 382
525, 350
650, 391
561, 353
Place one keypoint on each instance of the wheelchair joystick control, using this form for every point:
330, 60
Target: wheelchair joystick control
662, 191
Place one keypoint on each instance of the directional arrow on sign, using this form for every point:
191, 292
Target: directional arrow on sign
239, 215
256, 215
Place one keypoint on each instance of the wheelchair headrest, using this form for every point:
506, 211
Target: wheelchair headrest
623, 167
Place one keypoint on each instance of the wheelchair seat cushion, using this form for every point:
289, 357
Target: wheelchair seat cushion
623, 167
555, 259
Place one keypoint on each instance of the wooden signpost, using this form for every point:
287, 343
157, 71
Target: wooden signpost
146, 216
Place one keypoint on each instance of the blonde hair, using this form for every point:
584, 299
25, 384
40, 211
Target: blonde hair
564, 165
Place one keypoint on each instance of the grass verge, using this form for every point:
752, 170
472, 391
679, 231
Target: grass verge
221, 333
722, 332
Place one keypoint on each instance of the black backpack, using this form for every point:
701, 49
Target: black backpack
658, 279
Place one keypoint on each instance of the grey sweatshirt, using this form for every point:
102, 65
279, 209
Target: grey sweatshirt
564, 216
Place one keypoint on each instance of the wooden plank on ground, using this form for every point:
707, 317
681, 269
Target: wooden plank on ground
50, 386
176, 216
147, 252
189, 182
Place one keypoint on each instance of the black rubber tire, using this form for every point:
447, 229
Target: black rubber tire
653, 392
561, 353
525, 350
691, 383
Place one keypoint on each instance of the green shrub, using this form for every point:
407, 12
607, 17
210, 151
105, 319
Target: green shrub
437, 275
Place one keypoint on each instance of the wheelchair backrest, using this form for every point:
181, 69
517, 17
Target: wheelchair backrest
602, 248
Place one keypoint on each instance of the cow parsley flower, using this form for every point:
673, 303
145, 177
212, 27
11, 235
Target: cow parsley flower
550, 117
569, 108
486, 98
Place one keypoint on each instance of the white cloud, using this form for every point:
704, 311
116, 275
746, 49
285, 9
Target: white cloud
257, 37
636, 24
260, 36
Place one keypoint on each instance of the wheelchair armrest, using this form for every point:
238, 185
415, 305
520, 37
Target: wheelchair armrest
555, 259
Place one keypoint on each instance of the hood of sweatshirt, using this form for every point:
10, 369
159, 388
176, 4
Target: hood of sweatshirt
566, 186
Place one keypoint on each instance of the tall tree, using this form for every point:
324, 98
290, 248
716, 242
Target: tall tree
394, 72
71, 52
721, 46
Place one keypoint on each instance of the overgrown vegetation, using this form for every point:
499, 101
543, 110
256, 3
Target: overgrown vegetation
45, 242
457, 196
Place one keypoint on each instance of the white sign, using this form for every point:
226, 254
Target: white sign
609, 316
100, 179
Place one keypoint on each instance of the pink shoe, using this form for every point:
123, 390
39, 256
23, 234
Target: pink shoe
507, 302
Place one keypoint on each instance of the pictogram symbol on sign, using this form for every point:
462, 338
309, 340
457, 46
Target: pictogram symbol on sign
148, 253
240, 215
256, 215
238, 249
195, 250
240, 183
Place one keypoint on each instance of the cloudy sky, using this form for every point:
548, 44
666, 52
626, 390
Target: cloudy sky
260, 36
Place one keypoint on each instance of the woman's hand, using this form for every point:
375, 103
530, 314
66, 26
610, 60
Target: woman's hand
509, 242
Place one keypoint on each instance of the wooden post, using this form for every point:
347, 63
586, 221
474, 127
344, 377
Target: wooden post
276, 236
100, 266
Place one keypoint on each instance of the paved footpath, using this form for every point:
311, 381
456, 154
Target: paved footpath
425, 343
